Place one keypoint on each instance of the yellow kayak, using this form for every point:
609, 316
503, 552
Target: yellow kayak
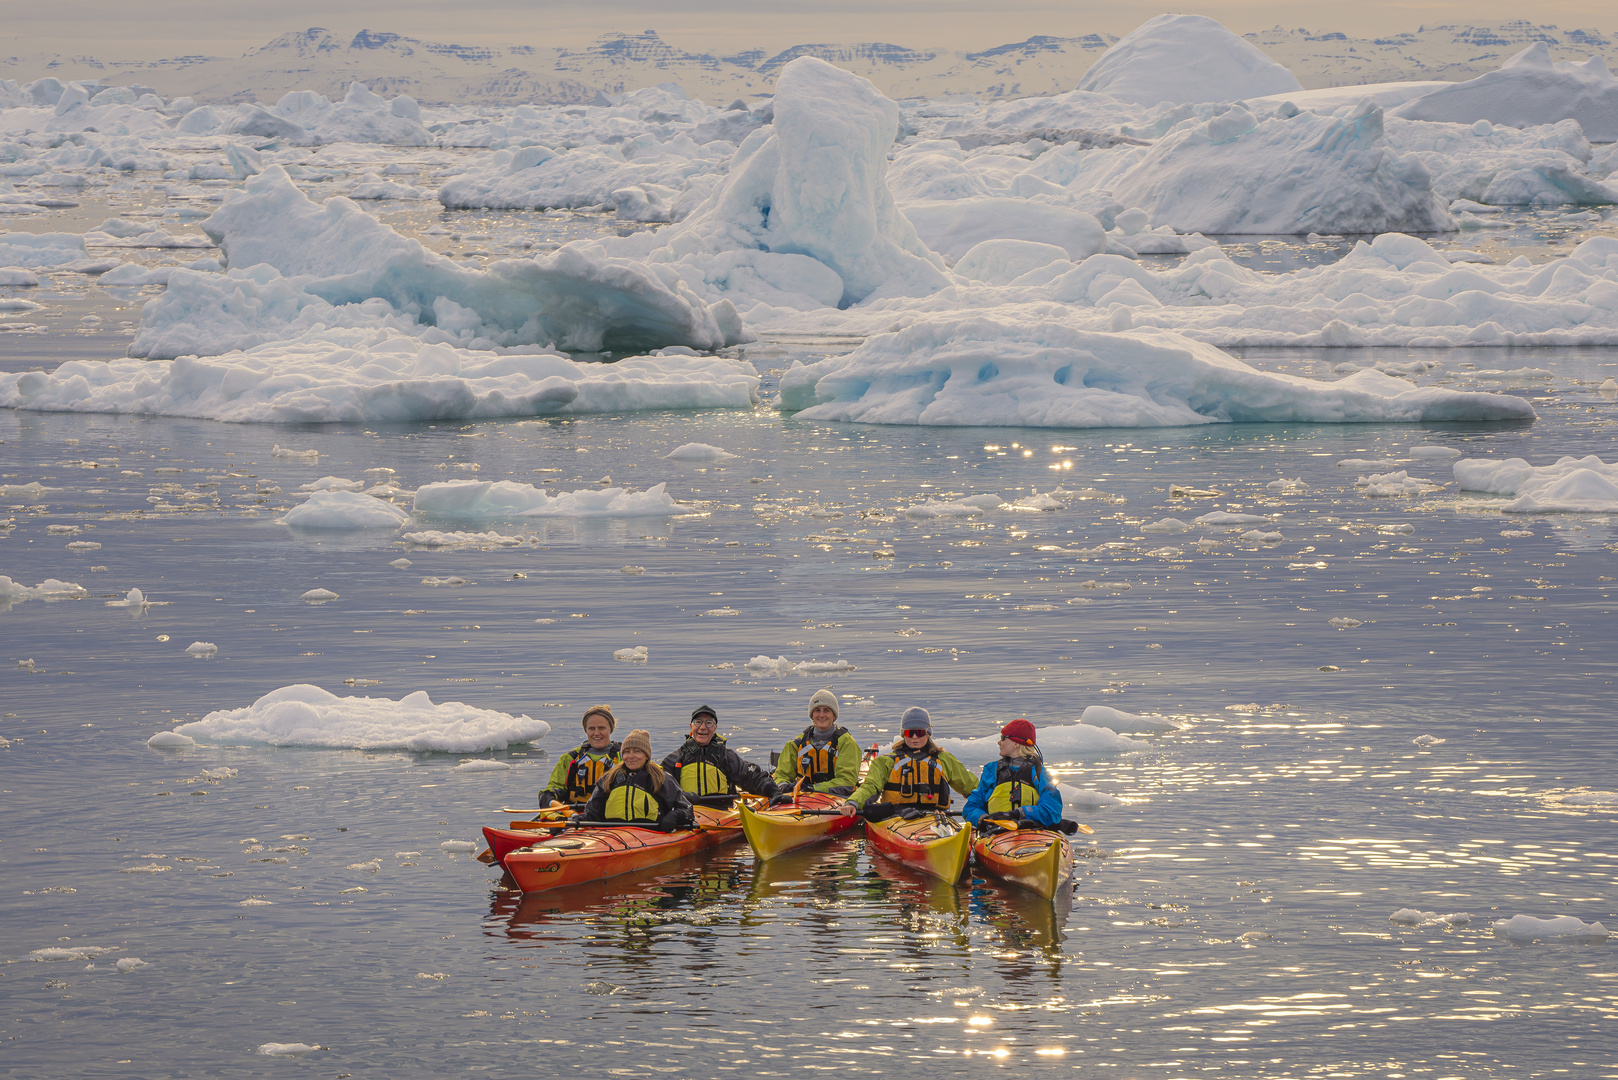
936, 844
1037, 859
793, 825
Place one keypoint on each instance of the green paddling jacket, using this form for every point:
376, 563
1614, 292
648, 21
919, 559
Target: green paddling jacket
824, 766
908, 778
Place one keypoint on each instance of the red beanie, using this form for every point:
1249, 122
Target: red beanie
1019, 731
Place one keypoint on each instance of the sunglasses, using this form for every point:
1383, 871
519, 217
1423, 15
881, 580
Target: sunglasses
913, 734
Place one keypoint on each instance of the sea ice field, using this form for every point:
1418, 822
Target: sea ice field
350, 450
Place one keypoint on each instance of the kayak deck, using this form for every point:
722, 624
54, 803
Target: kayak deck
1040, 860
522, 833
782, 828
935, 844
552, 860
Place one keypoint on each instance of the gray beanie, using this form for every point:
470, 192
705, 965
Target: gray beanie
826, 698
916, 719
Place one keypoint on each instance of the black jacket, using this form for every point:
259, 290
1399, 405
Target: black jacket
685, 766
674, 810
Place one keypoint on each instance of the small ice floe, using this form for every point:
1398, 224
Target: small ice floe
458, 847
1128, 723
370, 867
83, 545
969, 507
635, 654
1433, 453
1056, 743
482, 765
1225, 517
71, 952
171, 740
63, 530
145, 868
287, 1049
334, 511
134, 598
437, 539
130, 963
436, 976
718, 613
1383, 485
1590, 798
632, 570
318, 596
333, 483
1427, 740
1515, 375
289, 452
1052, 607
780, 667
400, 564
1566, 927
304, 715
506, 498
1166, 525
1343, 622
1086, 798
1609, 387
1286, 486
202, 650
1260, 536
696, 451
355, 889
1516, 534
445, 582
50, 589
1415, 917
32, 491
1395, 530
227, 773
1572, 485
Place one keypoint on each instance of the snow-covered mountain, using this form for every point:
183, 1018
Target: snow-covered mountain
436, 72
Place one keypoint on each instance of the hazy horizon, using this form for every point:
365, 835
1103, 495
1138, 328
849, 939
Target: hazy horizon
187, 27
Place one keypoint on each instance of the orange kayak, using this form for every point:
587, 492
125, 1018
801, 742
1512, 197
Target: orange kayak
1037, 859
793, 825
555, 859
936, 844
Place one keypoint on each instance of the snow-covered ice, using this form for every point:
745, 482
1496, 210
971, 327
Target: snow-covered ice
344, 510
1585, 484
1185, 58
695, 451
1127, 722
1527, 90
303, 715
12, 592
1056, 743
506, 498
1568, 927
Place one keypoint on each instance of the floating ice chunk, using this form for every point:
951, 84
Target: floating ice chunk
964, 370
372, 866
1590, 798
303, 715
1131, 723
459, 847
1426, 740
171, 740
318, 596
289, 452
696, 451
1056, 743
1260, 536
483, 765
1528, 90
1395, 530
1416, 917
780, 667
32, 491
1225, 517
1515, 375
505, 498
202, 649
1185, 58
1085, 798
1166, 525
719, 613
134, 598
971, 506
17, 276
333, 483
275, 1049
69, 952
632, 570
1528, 928
1572, 484
145, 868
1393, 484
130, 963
344, 510
445, 582
39, 250
83, 545
401, 564
635, 654
49, 589
1042, 501
957, 227
434, 538
1433, 453
1343, 622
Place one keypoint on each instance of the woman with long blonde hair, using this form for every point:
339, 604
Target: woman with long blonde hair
638, 792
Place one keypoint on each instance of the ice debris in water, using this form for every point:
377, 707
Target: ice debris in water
344, 510
1393, 483
71, 952
275, 1049
372, 866
1529, 928
634, 654
445, 582
1286, 486
1433, 453
1343, 622
134, 598
780, 667
130, 963
201, 649
1585, 484
289, 452
1166, 525
1056, 743
462, 847
400, 564
318, 596
1126, 722
696, 451
506, 498
483, 765
49, 589
1414, 917
1225, 517
632, 570
1427, 740
438, 539
171, 740
333, 483
1395, 530
304, 715
944, 508
719, 612
1086, 798
1260, 536
1590, 798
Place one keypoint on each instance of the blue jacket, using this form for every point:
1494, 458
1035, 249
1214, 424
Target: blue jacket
1047, 812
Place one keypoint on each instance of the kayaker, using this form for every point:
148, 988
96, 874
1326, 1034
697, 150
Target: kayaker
638, 791
915, 775
711, 773
578, 771
825, 756
1016, 788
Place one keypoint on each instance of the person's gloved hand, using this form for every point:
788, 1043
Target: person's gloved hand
781, 799
1004, 815
910, 813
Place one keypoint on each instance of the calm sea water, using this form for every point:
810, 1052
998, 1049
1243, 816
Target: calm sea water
1229, 919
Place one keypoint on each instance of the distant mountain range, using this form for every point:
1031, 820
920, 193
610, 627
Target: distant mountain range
439, 73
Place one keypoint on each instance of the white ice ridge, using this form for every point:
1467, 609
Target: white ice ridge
1056, 744
1529, 89
977, 371
342, 510
294, 263
476, 499
780, 667
1185, 58
1585, 484
366, 376
13, 592
1129, 723
696, 451
304, 715
1529, 928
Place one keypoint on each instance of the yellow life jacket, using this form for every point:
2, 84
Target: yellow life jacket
917, 780
699, 776
628, 801
1015, 786
817, 762
588, 767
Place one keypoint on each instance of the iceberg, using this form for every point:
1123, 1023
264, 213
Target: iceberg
474, 499
1586, 484
344, 510
1185, 58
1528, 90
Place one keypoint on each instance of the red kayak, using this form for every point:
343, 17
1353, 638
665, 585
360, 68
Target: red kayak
553, 859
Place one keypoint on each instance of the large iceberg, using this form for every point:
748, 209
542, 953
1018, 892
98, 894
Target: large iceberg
1185, 58
1527, 90
984, 371
373, 376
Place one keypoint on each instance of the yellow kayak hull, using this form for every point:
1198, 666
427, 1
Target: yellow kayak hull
934, 845
1039, 860
779, 829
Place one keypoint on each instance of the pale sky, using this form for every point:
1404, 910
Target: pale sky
119, 29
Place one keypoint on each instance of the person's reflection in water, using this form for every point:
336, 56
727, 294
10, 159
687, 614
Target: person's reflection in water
1028, 927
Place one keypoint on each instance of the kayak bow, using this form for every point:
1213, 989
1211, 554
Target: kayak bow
590, 853
934, 844
781, 828
1040, 860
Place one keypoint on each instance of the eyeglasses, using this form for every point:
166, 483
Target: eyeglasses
705, 721
913, 734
